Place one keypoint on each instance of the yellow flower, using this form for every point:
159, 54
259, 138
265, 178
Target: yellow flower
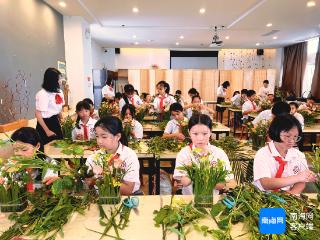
116, 183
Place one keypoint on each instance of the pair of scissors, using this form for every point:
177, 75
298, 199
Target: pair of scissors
276, 197
229, 202
133, 203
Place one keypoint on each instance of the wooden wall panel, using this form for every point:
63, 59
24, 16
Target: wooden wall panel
197, 80
144, 81
236, 83
134, 78
160, 75
209, 84
186, 82
169, 80
177, 79
248, 76
152, 82
259, 76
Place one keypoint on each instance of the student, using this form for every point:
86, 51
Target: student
49, 102
129, 97
179, 98
117, 97
128, 114
238, 100
279, 108
264, 90
111, 139
192, 92
196, 106
235, 100
278, 165
270, 98
293, 112
27, 143
249, 106
200, 131
107, 90
221, 96
93, 114
309, 106
136, 92
163, 101
173, 128
84, 129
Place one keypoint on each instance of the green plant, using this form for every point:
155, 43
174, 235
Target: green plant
309, 117
67, 126
205, 173
108, 109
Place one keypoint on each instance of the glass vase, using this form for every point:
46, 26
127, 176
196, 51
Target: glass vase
258, 141
110, 199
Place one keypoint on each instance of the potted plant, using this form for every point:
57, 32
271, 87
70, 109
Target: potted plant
258, 134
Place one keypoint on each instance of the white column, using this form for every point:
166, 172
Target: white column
77, 40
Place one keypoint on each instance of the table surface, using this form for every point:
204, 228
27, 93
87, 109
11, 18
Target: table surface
152, 127
141, 224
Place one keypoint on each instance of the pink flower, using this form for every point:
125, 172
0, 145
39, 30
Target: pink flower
97, 170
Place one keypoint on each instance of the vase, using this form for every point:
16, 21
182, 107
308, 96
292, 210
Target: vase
17, 206
258, 141
203, 200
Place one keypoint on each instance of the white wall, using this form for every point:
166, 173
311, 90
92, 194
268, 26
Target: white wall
102, 57
78, 59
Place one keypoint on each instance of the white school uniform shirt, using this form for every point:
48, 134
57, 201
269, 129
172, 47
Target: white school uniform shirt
108, 90
46, 103
221, 92
300, 118
90, 125
265, 165
166, 102
185, 156
248, 105
173, 126
189, 113
131, 164
236, 99
136, 102
138, 129
263, 92
265, 115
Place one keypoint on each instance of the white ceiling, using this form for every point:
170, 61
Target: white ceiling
164, 21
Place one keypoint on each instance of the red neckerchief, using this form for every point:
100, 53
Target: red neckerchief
29, 185
58, 99
114, 157
161, 101
85, 131
282, 164
253, 105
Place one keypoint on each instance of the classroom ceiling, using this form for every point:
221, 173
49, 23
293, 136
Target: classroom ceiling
179, 23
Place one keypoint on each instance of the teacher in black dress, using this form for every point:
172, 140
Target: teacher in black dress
49, 102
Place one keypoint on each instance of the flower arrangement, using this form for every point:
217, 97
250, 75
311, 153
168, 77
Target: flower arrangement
109, 108
265, 104
111, 169
258, 133
67, 126
141, 112
183, 125
128, 125
309, 117
205, 172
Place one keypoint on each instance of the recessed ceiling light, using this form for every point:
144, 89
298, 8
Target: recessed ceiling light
177, 43
136, 43
62, 4
227, 37
311, 3
135, 10
257, 44
275, 37
181, 37
269, 25
134, 36
202, 10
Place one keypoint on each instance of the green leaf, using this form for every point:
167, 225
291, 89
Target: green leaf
216, 209
57, 187
78, 151
67, 151
223, 224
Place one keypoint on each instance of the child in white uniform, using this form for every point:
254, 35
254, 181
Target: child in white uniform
163, 100
200, 131
173, 127
278, 165
249, 106
111, 139
128, 115
84, 129
293, 112
129, 97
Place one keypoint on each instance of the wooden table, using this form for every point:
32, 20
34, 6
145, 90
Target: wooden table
312, 131
153, 129
141, 225
150, 118
236, 113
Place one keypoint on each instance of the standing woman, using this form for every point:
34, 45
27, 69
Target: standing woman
221, 94
107, 90
49, 102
